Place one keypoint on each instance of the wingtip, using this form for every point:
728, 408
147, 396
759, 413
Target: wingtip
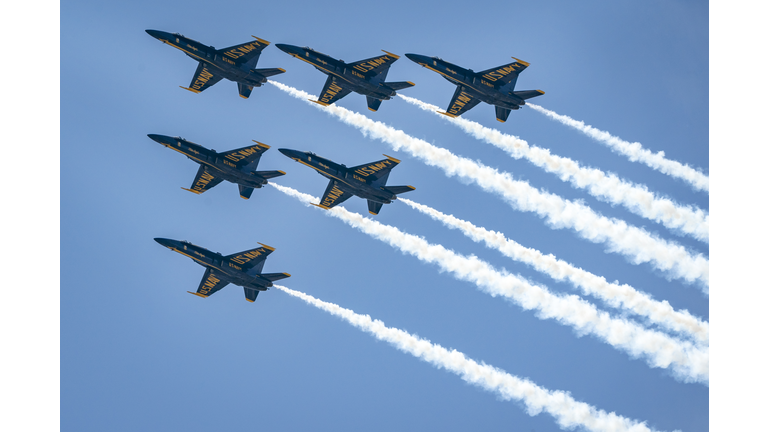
268, 247
525, 63
193, 191
266, 42
393, 55
262, 144
197, 294
391, 158
192, 90
446, 114
318, 102
321, 206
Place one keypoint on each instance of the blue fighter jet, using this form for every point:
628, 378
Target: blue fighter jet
235, 166
243, 269
365, 77
235, 63
368, 181
495, 86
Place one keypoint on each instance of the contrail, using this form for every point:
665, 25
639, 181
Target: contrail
634, 151
616, 295
607, 187
568, 412
688, 363
637, 244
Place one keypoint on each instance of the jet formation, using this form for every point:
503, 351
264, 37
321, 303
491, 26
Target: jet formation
243, 269
365, 77
235, 166
235, 63
367, 181
495, 86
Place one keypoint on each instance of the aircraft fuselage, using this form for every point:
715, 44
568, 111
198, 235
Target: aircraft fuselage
354, 182
484, 86
230, 267
223, 64
222, 166
353, 77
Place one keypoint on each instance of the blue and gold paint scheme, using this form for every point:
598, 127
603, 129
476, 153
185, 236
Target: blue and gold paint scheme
243, 269
495, 86
367, 181
235, 166
365, 77
235, 63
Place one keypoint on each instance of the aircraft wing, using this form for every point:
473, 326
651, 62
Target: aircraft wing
211, 283
251, 261
463, 100
247, 157
375, 65
245, 53
333, 196
504, 74
375, 170
203, 79
332, 92
203, 181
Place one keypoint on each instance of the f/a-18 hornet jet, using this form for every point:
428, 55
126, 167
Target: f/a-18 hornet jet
494, 86
235, 63
368, 181
242, 268
235, 166
365, 76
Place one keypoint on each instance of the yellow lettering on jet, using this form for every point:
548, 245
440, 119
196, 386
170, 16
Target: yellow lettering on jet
209, 284
334, 194
462, 100
241, 50
202, 182
202, 79
332, 91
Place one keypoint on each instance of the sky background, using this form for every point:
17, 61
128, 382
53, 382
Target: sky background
138, 352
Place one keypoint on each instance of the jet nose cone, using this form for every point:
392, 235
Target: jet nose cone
157, 34
290, 49
162, 139
164, 241
288, 152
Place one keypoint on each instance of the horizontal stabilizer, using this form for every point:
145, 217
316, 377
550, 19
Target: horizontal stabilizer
245, 192
527, 94
399, 85
373, 103
274, 276
269, 174
398, 189
268, 72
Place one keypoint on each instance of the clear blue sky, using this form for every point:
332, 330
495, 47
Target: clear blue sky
139, 353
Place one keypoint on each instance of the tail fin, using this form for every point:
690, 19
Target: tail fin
268, 72
274, 276
527, 94
269, 174
374, 207
245, 192
398, 189
502, 114
251, 294
399, 85
245, 90
373, 103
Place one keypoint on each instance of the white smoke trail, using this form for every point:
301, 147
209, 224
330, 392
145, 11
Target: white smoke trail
568, 412
616, 295
688, 363
637, 244
634, 151
608, 187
